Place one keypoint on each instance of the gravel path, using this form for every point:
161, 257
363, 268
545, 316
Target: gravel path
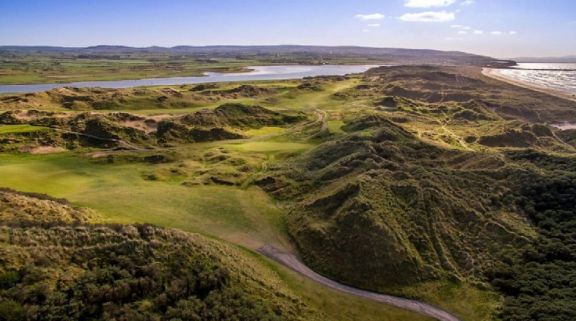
292, 262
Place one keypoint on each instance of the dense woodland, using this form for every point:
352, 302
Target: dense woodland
540, 282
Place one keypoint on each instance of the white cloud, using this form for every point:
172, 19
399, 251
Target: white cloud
467, 2
370, 16
513, 33
496, 33
478, 32
373, 25
429, 16
428, 3
462, 27
365, 30
462, 32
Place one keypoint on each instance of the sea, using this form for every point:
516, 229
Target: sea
557, 76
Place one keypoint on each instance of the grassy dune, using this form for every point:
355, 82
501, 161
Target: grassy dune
390, 144
246, 217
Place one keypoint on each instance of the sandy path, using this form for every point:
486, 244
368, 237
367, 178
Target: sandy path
495, 74
292, 262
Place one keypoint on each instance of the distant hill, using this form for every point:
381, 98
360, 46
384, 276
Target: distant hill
391, 55
564, 59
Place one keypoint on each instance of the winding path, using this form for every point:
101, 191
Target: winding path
292, 262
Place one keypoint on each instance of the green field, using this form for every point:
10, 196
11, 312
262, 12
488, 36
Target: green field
121, 195
54, 69
18, 129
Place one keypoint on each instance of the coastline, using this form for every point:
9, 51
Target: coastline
494, 73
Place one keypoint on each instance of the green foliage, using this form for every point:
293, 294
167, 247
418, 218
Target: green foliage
134, 272
18, 129
539, 282
387, 210
21, 209
43, 247
11, 311
410, 181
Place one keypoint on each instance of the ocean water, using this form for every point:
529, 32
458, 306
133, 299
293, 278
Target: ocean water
557, 76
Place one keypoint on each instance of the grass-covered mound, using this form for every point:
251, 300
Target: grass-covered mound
131, 131
442, 85
173, 97
380, 209
17, 208
126, 272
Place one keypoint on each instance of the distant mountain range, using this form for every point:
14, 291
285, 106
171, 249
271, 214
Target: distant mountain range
391, 55
565, 59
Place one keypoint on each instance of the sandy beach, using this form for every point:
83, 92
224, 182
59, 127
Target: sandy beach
496, 74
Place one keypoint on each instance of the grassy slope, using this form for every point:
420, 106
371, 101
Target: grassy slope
18, 129
172, 257
120, 194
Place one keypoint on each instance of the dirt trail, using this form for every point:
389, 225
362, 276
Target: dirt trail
292, 262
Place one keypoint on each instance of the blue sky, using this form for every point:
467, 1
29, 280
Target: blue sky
500, 28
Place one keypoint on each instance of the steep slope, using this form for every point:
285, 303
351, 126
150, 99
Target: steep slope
387, 210
131, 272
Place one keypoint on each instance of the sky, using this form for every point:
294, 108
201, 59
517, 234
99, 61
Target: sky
498, 28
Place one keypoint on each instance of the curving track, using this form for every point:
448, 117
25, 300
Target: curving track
292, 262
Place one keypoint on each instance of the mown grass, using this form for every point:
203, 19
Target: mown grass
121, 195
17, 129
264, 131
270, 147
